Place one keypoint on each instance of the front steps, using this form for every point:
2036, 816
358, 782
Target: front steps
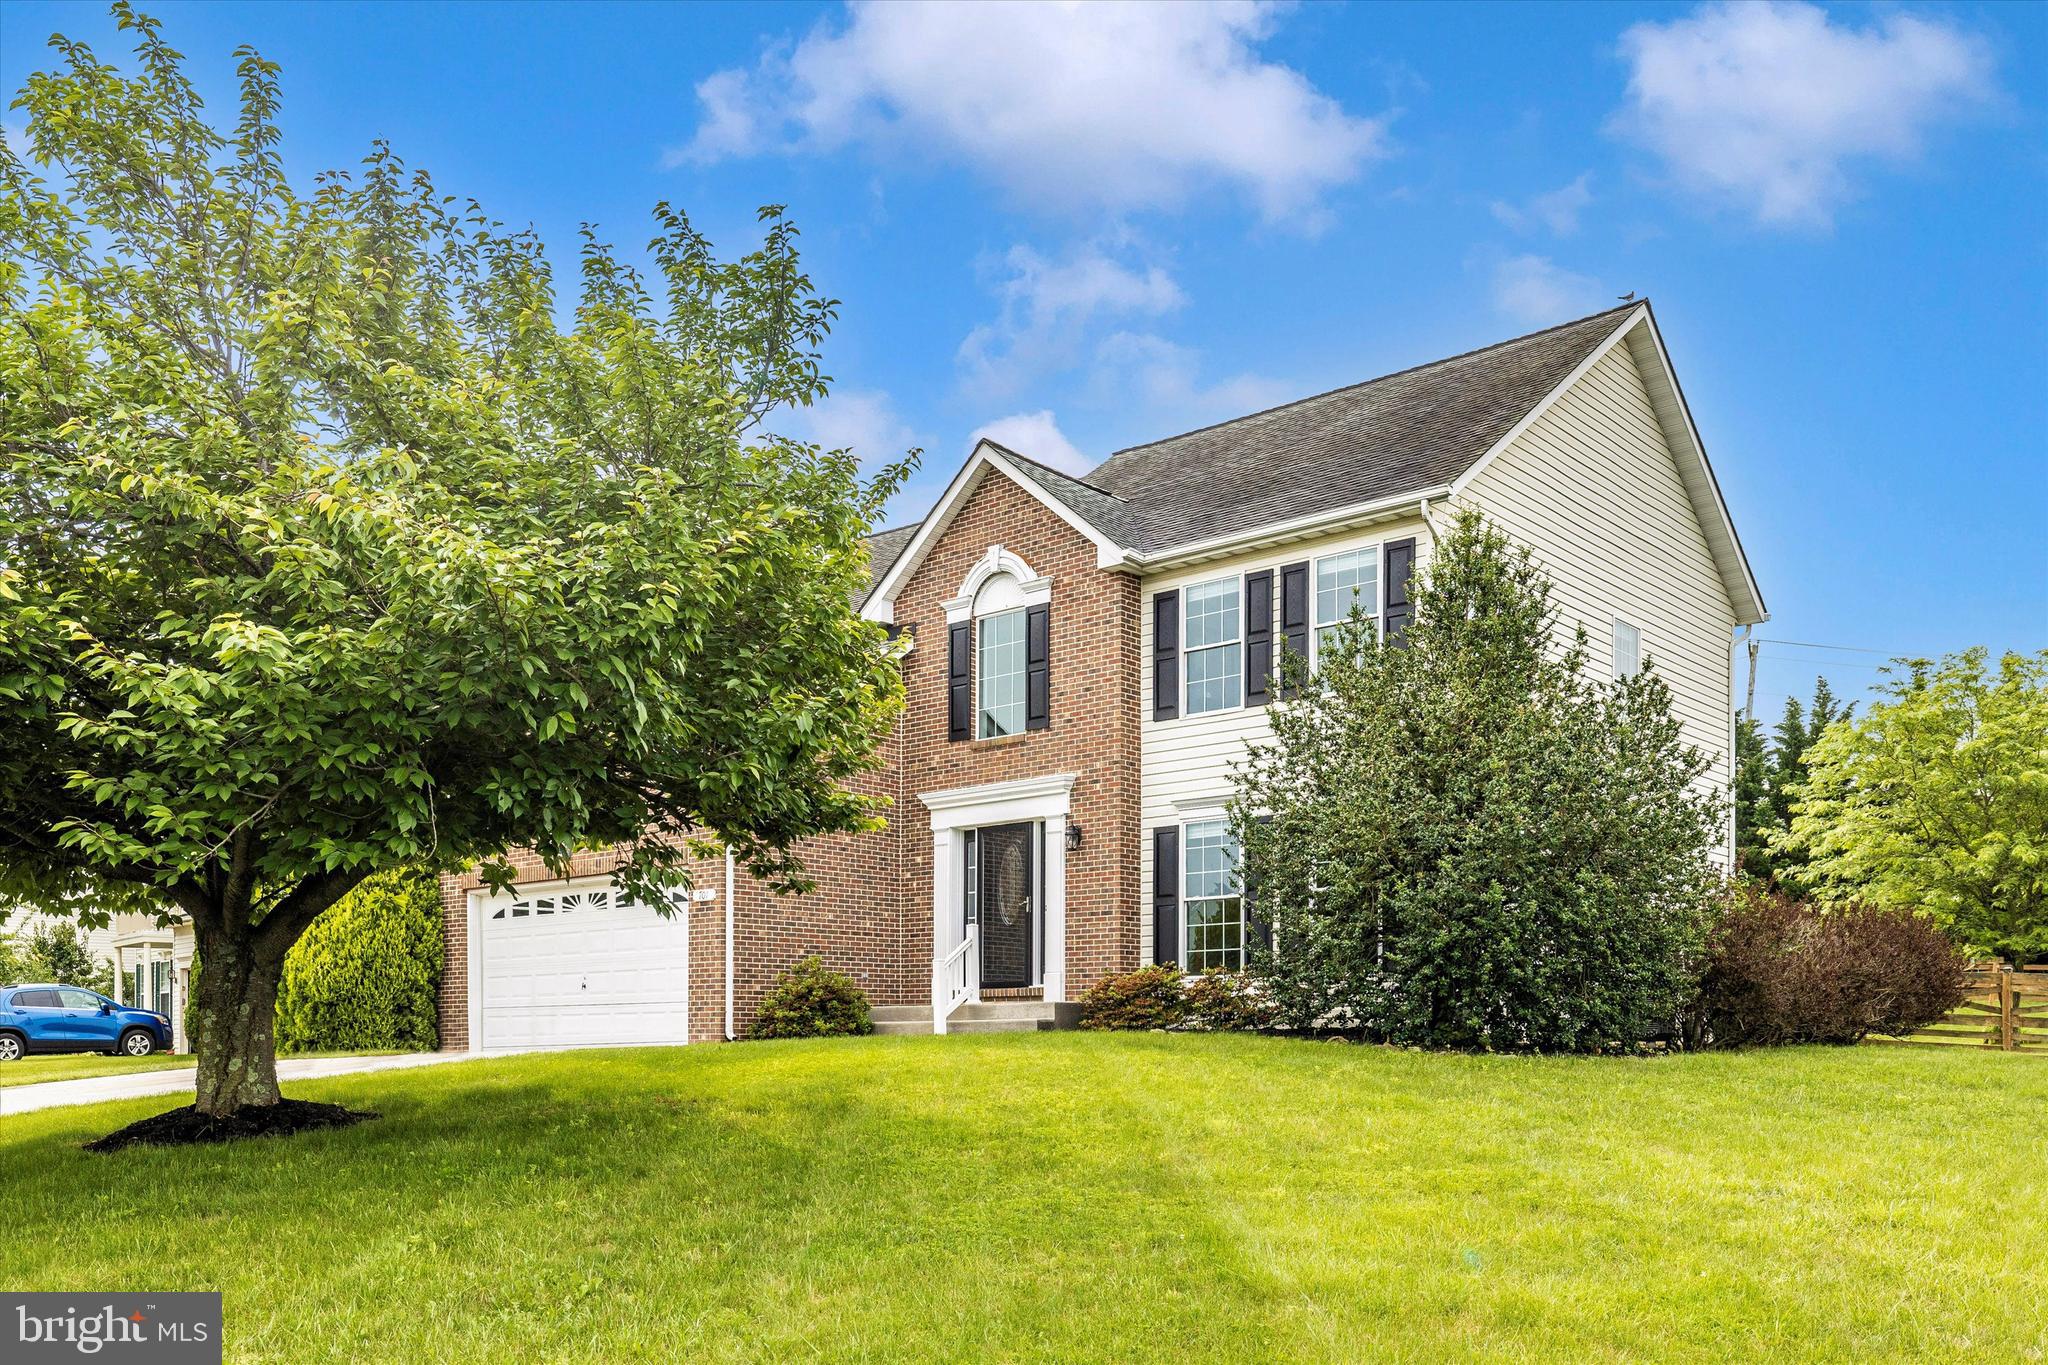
988, 1016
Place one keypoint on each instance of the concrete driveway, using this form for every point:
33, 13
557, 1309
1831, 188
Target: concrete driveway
21, 1099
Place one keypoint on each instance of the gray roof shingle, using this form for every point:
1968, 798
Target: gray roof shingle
1106, 512
1405, 432
883, 548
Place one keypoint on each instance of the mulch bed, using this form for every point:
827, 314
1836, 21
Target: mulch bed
180, 1127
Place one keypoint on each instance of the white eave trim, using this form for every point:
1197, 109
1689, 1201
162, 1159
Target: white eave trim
1294, 528
1701, 487
881, 603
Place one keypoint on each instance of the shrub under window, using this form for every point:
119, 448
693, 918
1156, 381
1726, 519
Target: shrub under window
1472, 843
1149, 998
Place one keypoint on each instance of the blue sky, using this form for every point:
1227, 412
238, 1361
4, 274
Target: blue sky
1091, 227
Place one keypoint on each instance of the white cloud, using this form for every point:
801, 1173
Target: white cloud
1558, 209
1764, 107
864, 421
730, 126
1072, 105
1163, 378
1037, 435
1538, 291
1046, 309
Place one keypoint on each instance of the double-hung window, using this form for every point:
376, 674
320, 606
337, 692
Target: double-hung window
1000, 670
1628, 650
1214, 635
1212, 904
1343, 583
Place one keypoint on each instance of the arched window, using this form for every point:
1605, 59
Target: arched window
999, 656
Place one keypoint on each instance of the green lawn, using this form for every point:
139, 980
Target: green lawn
1074, 1197
73, 1066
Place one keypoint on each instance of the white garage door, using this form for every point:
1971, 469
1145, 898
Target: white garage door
581, 967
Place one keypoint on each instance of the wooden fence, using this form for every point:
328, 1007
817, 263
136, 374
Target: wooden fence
2006, 1009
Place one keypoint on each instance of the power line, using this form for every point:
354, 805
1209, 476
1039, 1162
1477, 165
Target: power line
1850, 649
1827, 663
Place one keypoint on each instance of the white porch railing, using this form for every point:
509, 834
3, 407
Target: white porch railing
953, 980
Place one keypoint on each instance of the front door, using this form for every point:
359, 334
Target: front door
1007, 903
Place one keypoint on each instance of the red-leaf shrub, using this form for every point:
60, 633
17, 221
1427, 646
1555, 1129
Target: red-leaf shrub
1161, 997
1782, 971
1151, 997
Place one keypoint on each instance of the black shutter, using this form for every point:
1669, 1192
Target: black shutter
959, 701
1257, 927
1165, 655
1166, 894
1037, 670
1294, 612
1258, 636
1399, 568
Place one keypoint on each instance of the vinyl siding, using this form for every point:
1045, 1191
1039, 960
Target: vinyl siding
1591, 488
1186, 764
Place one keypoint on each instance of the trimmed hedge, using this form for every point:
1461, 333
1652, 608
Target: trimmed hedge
363, 977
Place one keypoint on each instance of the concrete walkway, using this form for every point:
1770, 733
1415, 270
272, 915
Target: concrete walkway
21, 1099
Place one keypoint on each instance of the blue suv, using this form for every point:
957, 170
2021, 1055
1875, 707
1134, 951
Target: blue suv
72, 1019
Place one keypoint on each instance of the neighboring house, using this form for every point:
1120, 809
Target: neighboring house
152, 966
1089, 659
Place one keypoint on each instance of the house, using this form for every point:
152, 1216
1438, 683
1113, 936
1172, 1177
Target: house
1090, 657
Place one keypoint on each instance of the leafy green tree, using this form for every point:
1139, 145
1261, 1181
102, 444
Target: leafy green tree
1765, 776
55, 951
14, 963
60, 951
1936, 801
1461, 839
1752, 793
331, 542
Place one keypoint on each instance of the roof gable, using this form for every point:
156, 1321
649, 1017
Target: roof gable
1418, 433
1411, 432
1646, 347
1064, 496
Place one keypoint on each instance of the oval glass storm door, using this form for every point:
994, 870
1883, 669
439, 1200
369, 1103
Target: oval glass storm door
1007, 911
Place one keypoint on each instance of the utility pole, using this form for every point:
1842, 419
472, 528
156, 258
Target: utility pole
1749, 702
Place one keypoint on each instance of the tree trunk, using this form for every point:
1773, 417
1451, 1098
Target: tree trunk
234, 1017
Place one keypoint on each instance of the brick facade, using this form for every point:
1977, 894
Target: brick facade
871, 914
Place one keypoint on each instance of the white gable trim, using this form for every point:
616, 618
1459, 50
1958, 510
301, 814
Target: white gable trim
1646, 345
986, 457
1514, 433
